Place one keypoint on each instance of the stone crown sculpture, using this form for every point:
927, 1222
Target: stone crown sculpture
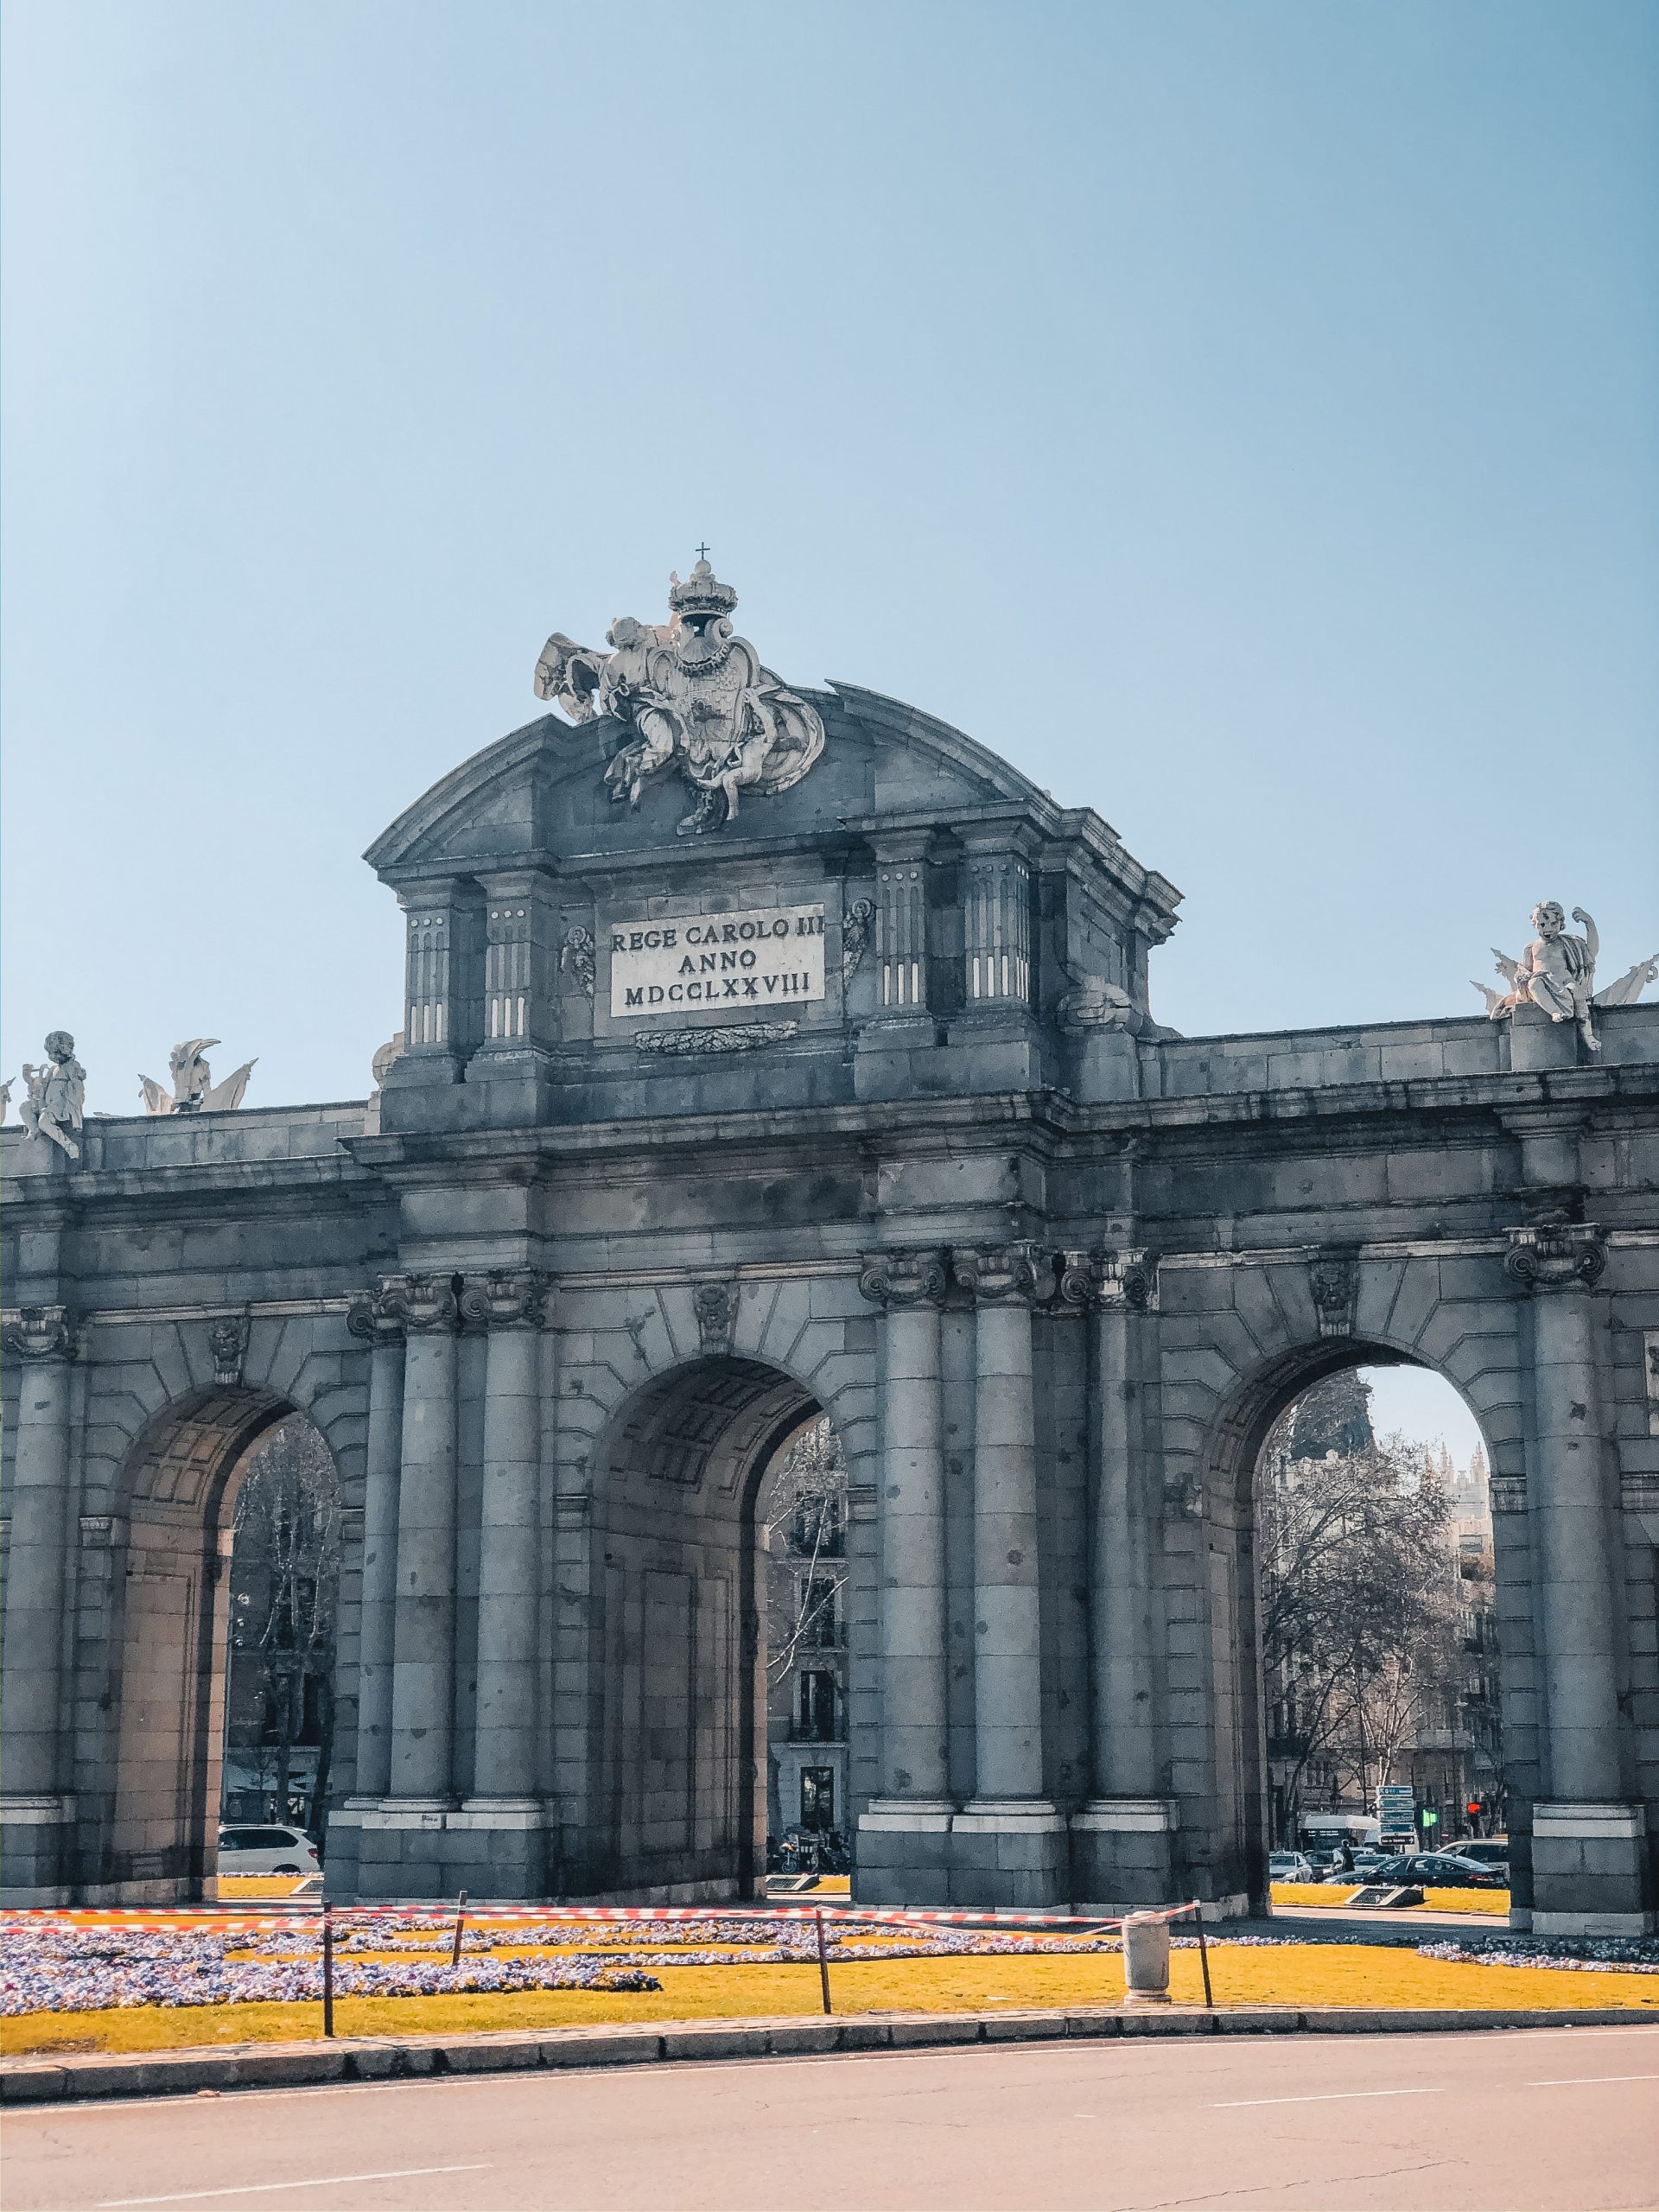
1557, 974
692, 692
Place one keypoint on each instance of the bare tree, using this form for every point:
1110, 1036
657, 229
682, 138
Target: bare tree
1360, 1604
805, 1516
285, 1588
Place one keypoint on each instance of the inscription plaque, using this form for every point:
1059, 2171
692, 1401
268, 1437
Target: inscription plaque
767, 956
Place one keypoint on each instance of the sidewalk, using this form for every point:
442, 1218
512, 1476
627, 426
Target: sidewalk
295, 2065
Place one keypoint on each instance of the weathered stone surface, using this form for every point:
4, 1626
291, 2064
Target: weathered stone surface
555, 1300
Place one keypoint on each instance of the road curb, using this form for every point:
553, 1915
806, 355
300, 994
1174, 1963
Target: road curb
380, 2058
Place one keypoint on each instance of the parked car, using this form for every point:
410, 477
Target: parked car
1289, 1866
266, 1851
1486, 1851
1438, 1869
1364, 1867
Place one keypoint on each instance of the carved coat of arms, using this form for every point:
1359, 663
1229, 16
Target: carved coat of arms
692, 693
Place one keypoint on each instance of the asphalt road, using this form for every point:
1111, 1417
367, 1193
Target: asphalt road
1515, 2122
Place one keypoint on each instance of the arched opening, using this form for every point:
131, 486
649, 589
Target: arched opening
683, 1765
279, 1722
172, 1636
803, 1513
1360, 1716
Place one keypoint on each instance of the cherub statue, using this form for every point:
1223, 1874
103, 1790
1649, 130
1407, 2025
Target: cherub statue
1556, 973
194, 1088
57, 1094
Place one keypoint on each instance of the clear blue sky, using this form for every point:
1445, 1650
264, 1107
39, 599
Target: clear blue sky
1243, 416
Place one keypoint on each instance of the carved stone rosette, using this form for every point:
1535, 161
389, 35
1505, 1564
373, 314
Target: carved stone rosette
228, 1340
905, 1278
715, 1305
1334, 1281
506, 1298
1110, 1280
421, 1304
1556, 1255
41, 1333
996, 1275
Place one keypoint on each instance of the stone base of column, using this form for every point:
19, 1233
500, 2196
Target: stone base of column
1588, 1868
1123, 1854
1009, 1852
36, 1837
383, 1847
903, 1851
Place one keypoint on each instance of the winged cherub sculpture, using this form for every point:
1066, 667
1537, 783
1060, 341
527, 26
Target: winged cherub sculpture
1557, 974
194, 1088
691, 692
55, 1095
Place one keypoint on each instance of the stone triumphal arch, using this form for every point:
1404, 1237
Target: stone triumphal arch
771, 1053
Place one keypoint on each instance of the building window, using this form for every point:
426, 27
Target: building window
818, 1799
818, 1611
817, 1708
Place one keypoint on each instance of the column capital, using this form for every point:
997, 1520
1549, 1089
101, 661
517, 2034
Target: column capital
423, 1305
506, 1298
376, 1316
903, 1279
1556, 1255
1110, 1280
1002, 1274
41, 1333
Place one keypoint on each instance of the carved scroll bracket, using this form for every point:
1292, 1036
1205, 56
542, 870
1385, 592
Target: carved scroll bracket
1110, 1280
506, 1298
906, 1278
1556, 1255
996, 1275
41, 1333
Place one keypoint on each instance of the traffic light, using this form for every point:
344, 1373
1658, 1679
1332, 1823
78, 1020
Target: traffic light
1473, 1808
1429, 1817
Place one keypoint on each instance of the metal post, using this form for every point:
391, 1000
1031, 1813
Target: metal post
327, 1973
823, 1964
460, 1922
1204, 1955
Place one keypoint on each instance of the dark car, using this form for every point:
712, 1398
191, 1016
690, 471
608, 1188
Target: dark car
1438, 1869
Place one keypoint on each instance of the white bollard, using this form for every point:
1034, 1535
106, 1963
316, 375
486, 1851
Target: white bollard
1145, 1958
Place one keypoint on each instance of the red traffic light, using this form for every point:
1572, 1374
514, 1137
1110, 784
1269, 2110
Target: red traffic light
1473, 1808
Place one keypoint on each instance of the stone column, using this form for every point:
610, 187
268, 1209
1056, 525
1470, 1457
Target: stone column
378, 1320
1122, 1835
31, 1702
510, 1303
1009, 1842
1588, 1838
423, 1668
902, 1852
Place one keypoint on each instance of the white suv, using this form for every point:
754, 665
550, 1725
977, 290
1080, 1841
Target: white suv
266, 1851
